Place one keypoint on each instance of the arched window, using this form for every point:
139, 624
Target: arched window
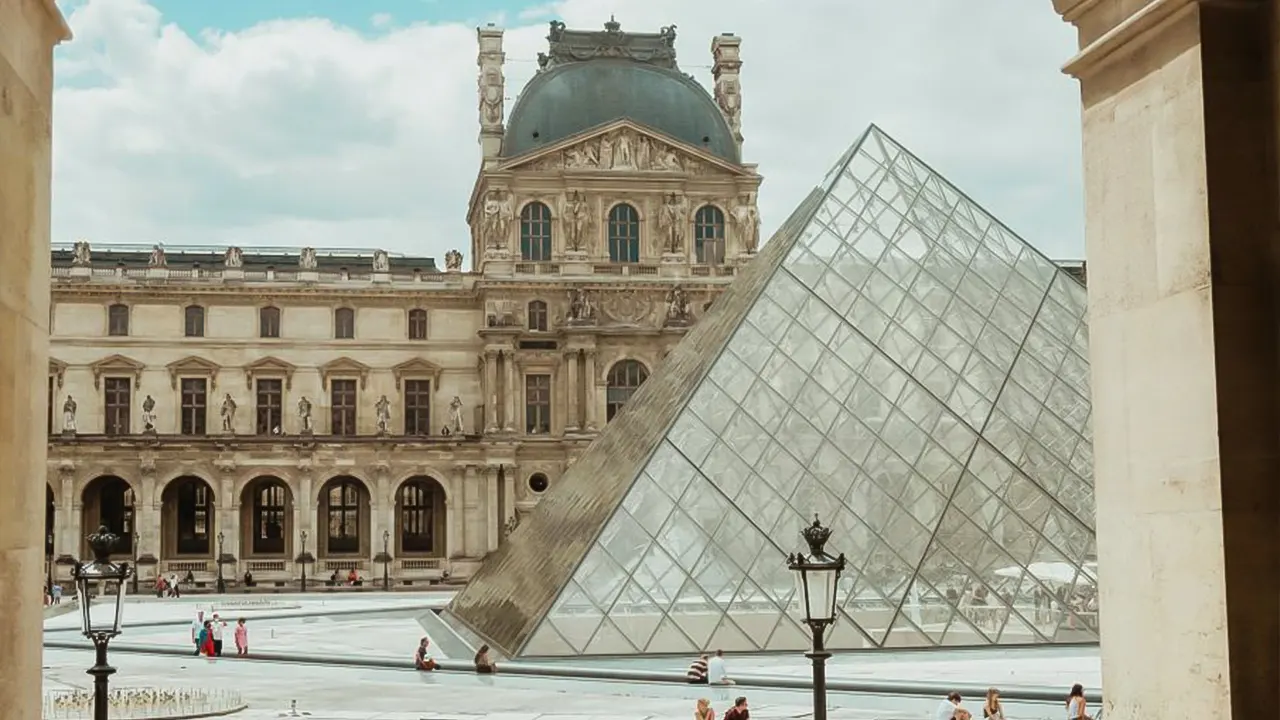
193, 321
625, 377
344, 323
421, 516
535, 233
118, 320
108, 501
270, 503
269, 322
708, 235
417, 324
624, 234
343, 521
538, 316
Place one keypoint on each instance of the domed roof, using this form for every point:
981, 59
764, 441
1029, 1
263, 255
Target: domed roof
579, 88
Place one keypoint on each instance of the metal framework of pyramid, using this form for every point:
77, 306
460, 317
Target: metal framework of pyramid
896, 361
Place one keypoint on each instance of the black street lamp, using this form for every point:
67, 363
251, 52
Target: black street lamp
97, 575
385, 559
222, 582
817, 583
303, 557
135, 540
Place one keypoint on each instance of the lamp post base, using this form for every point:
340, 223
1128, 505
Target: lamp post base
100, 671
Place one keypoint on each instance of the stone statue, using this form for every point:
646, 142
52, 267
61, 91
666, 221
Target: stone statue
307, 259
149, 415
497, 218
228, 413
382, 411
606, 152
576, 219
453, 261
668, 35
157, 258
747, 219
677, 307
672, 219
304, 414
381, 261
622, 157
455, 416
580, 308
233, 258
491, 92
644, 153
667, 160
729, 98
80, 254
582, 156
69, 415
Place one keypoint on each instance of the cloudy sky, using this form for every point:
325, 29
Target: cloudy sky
352, 123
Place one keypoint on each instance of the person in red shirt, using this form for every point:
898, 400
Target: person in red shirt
739, 710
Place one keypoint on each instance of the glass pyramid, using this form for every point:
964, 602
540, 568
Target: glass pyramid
903, 366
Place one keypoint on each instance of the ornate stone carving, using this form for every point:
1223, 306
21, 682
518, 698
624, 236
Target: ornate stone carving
673, 218
746, 220
307, 259
627, 307
149, 415
491, 90
501, 313
233, 258
81, 255
577, 221
453, 261
678, 314
581, 311
69, 415
381, 261
228, 413
621, 149
496, 219
304, 414
565, 45
382, 411
157, 259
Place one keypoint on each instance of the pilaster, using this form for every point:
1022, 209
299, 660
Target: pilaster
573, 418
491, 391
492, 521
589, 389
474, 542
509, 392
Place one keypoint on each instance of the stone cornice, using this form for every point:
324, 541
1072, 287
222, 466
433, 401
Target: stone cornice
249, 294
192, 366
116, 365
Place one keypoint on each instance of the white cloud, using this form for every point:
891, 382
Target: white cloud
306, 133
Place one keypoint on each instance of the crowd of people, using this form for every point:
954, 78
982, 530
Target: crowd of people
206, 635
952, 708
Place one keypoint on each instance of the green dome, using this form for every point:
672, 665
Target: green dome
567, 99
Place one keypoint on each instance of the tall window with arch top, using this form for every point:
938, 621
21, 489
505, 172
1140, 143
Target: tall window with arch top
624, 234
625, 377
708, 235
535, 233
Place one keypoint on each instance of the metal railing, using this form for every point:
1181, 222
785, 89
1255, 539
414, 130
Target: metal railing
139, 703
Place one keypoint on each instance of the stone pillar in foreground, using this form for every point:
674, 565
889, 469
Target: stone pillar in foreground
1182, 204
28, 31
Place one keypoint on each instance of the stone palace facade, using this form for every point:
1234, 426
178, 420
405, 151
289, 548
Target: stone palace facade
270, 409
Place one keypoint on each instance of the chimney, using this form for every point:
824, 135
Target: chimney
725, 50
492, 90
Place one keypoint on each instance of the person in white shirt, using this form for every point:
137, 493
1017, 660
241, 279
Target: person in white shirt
216, 627
716, 674
947, 710
196, 626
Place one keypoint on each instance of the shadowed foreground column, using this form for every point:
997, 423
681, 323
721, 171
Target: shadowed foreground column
28, 31
1182, 207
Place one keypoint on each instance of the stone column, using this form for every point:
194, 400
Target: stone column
589, 389
491, 390
573, 418
1181, 197
726, 50
473, 532
509, 392
304, 519
493, 523
229, 525
28, 31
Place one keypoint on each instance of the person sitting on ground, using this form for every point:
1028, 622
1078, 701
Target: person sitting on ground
991, 708
352, 578
697, 674
704, 711
422, 660
739, 710
716, 673
948, 709
483, 663
248, 579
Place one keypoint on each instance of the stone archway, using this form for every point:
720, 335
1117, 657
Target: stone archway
266, 519
342, 522
108, 501
188, 524
420, 520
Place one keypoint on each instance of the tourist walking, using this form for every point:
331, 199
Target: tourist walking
197, 626
1076, 704
57, 594
242, 638
216, 626
206, 640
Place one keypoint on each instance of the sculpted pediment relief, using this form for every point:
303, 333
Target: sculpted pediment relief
344, 367
624, 147
192, 365
418, 368
117, 366
270, 367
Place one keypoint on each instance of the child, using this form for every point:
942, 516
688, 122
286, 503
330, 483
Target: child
242, 638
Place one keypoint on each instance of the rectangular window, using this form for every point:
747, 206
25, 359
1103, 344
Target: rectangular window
116, 397
342, 404
537, 404
417, 407
417, 324
270, 406
269, 322
195, 405
118, 320
193, 321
